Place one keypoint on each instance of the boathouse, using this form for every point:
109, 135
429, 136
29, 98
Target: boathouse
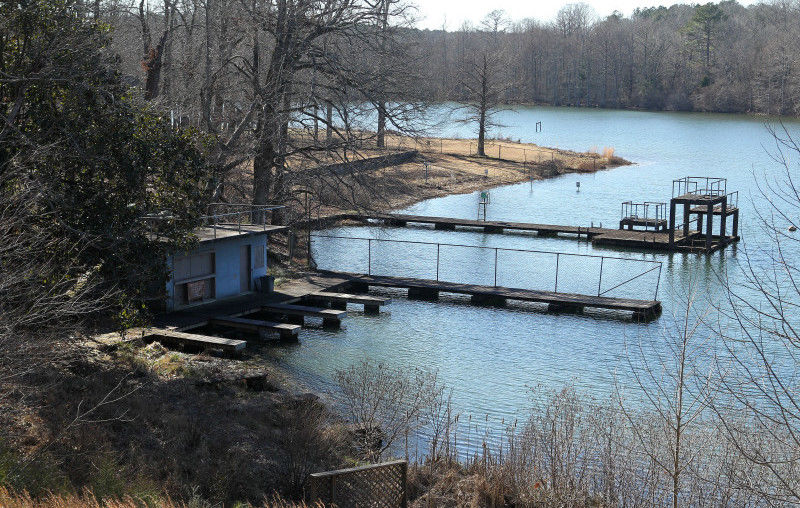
229, 260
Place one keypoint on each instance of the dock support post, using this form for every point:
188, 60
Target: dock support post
488, 300
567, 308
371, 309
359, 287
686, 213
492, 229
444, 226
672, 224
700, 217
288, 336
710, 226
723, 219
419, 293
338, 304
735, 228
331, 323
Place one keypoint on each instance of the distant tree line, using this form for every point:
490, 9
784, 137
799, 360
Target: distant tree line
714, 57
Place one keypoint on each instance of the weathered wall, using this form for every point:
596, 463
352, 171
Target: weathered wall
226, 253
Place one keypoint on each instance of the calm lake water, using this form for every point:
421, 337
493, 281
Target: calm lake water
492, 357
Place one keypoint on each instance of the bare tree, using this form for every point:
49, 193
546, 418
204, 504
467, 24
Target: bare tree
385, 403
677, 387
761, 409
483, 77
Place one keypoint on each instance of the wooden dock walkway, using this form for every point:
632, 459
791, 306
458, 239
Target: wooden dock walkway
495, 295
285, 331
648, 240
193, 339
298, 313
371, 304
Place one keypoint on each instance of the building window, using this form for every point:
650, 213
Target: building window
194, 277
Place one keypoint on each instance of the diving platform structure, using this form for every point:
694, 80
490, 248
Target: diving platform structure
701, 199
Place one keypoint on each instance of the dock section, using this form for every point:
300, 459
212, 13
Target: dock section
663, 240
495, 295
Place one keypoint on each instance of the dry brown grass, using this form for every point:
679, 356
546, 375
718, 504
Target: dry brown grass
10, 499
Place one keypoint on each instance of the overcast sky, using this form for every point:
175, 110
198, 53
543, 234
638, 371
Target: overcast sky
434, 13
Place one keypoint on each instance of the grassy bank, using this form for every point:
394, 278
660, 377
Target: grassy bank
453, 167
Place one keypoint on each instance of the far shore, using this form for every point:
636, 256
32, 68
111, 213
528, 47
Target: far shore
453, 167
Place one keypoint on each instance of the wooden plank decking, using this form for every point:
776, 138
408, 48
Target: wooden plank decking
340, 300
286, 331
429, 289
298, 312
649, 240
206, 341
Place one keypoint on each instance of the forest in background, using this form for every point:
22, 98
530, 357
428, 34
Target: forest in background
714, 57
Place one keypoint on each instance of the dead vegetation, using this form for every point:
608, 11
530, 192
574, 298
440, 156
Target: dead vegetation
164, 425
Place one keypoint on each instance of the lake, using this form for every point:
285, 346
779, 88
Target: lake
492, 357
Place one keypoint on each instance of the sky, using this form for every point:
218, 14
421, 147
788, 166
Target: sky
452, 13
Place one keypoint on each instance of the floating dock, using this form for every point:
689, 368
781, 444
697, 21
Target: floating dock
425, 289
650, 240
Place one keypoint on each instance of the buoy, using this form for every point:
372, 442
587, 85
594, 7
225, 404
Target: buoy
792, 228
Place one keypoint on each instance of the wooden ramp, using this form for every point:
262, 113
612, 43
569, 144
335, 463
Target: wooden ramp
297, 313
496, 295
193, 339
286, 331
371, 303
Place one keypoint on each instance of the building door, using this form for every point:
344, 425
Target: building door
244, 268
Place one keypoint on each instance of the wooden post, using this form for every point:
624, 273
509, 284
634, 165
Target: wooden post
686, 212
672, 224
404, 476
735, 231
709, 226
700, 222
723, 219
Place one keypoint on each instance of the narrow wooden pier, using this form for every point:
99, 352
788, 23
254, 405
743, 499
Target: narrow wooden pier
649, 240
286, 332
426, 289
371, 304
193, 339
296, 314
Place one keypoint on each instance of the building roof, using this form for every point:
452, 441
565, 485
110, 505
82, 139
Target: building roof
219, 232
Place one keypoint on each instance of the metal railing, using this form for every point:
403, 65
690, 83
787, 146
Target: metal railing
245, 214
732, 199
648, 210
558, 256
699, 185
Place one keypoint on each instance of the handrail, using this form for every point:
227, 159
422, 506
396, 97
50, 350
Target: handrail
558, 255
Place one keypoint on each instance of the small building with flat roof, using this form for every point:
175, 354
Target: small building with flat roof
230, 258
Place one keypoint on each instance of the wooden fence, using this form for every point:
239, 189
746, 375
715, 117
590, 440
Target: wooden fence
376, 486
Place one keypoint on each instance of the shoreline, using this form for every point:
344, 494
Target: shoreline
448, 166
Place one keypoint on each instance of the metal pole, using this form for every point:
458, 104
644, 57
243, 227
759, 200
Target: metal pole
369, 256
600, 282
437, 261
558, 256
658, 281
495, 267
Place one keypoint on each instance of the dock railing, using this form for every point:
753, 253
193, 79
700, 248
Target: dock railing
699, 185
557, 257
229, 216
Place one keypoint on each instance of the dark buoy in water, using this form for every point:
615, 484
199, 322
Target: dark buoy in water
577, 186
792, 228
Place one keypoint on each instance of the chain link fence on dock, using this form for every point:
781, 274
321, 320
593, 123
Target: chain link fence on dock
560, 272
